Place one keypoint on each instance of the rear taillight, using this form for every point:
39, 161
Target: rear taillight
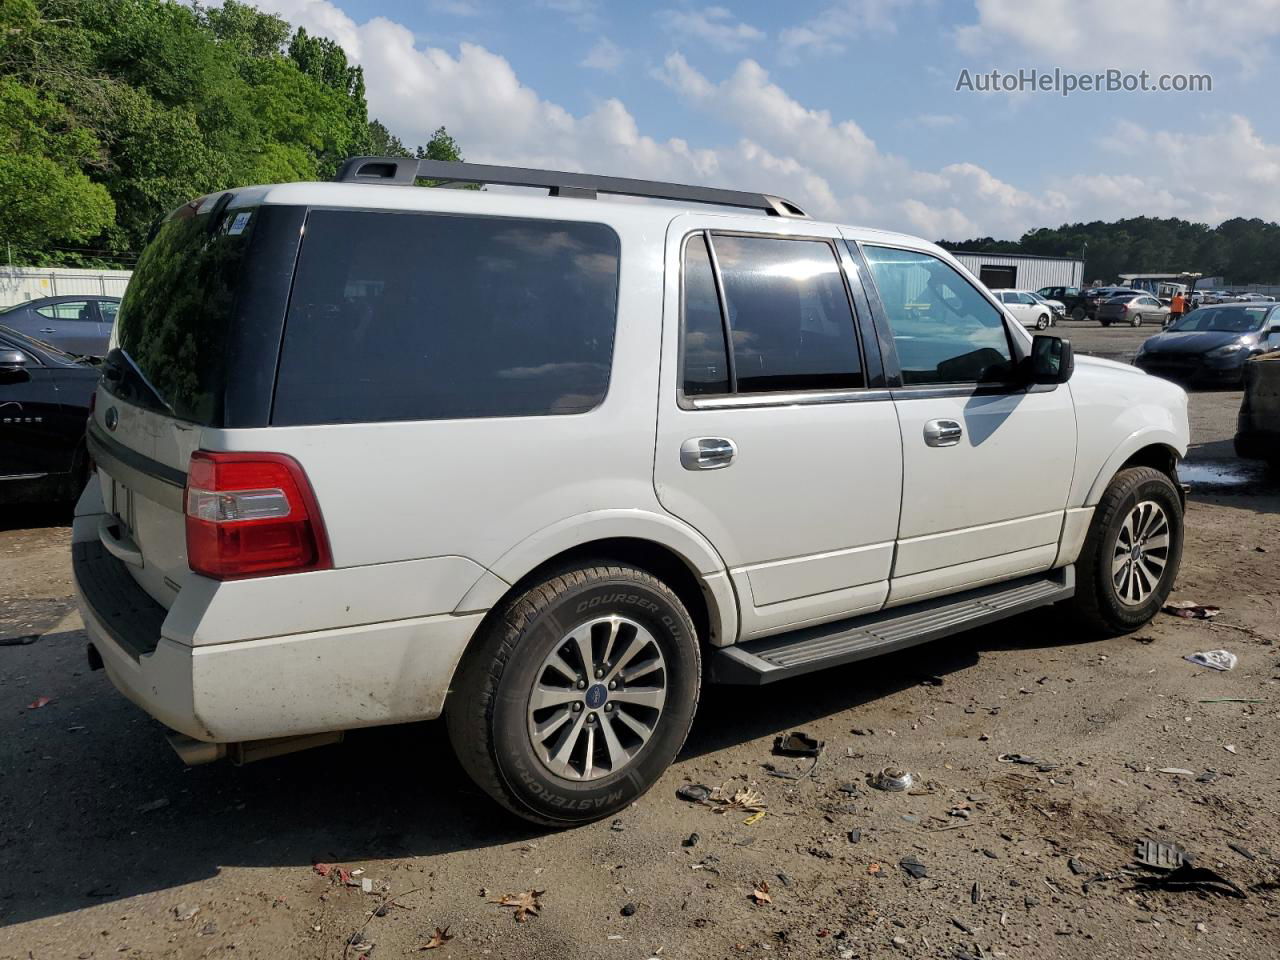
252, 514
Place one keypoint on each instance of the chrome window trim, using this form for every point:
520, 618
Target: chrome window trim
795, 399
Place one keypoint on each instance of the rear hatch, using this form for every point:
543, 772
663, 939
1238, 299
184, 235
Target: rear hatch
195, 346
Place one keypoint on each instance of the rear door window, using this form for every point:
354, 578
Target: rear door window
407, 316
68, 310
791, 324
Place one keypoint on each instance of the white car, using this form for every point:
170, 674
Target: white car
546, 464
1028, 308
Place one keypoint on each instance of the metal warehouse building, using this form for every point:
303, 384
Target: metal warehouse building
1022, 271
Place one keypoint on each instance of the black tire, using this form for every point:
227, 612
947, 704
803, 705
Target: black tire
1078, 313
1105, 323
487, 710
1096, 602
1042, 322
1136, 321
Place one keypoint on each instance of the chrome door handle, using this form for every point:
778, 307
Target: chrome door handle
707, 453
942, 433
48, 330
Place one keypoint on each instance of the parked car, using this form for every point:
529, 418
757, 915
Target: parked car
1026, 309
44, 406
443, 458
79, 325
1095, 296
1211, 345
1058, 308
1258, 428
1255, 298
1133, 309
1071, 298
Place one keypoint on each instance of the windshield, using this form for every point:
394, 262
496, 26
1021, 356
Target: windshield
172, 328
1229, 320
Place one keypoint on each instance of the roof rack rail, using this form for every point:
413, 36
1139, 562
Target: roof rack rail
404, 171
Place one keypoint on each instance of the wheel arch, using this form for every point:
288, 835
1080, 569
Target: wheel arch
1146, 448
665, 547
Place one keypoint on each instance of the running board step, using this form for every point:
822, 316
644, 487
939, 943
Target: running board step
844, 641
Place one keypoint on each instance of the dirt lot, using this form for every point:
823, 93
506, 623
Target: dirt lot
110, 847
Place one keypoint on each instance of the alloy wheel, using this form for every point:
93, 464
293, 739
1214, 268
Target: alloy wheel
597, 698
1141, 553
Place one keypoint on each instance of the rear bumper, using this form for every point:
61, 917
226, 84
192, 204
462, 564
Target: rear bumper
267, 687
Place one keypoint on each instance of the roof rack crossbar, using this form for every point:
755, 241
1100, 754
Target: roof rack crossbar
404, 171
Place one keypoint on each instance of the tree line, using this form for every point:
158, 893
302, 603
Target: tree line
113, 112
1240, 250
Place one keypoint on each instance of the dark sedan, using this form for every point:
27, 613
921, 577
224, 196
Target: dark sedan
78, 324
1211, 345
44, 405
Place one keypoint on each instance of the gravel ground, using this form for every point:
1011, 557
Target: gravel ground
110, 847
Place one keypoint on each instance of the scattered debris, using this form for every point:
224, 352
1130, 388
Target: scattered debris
849, 788
1177, 770
708, 863
855, 836
797, 744
324, 869
1042, 765
154, 805
39, 702
755, 818
358, 943
208, 930
691, 840
914, 867
183, 913
744, 799
1160, 856
760, 894
525, 904
785, 880
366, 885
1243, 851
22, 641
693, 792
1213, 659
875, 869
628, 909
1190, 610
1233, 700
438, 939
1207, 777
1229, 747
975, 892
617, 826
893, 779
1189, 877
1076, 866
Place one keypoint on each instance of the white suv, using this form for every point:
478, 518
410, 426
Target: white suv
1029, 309
369, 453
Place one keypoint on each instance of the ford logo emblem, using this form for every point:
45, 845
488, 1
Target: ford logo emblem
112, 418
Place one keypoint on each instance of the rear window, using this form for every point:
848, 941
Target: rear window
172, 328
406, 316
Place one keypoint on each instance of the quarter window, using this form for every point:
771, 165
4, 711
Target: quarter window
944, 330
425, 317
704, 361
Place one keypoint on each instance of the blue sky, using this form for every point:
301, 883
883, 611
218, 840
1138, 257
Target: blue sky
847, 107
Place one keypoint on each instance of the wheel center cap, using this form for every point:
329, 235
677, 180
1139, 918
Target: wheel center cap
1135, 552
596, 696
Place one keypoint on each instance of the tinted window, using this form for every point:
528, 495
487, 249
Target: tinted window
704, 358
400, 316
173, 321
944, 330
789, 315
1223, 319
1007, 297
67, 310
108, 309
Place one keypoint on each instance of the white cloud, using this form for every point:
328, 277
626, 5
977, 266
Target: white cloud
1162, 35
604, 55
716, 26
828, 165
828, 31
583, 14
934, 121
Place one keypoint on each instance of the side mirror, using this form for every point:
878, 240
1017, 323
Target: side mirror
12, 361
1051, 360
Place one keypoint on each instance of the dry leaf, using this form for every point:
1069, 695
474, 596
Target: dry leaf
761, 893
438, 939
874, 868
524, 903
746, 800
